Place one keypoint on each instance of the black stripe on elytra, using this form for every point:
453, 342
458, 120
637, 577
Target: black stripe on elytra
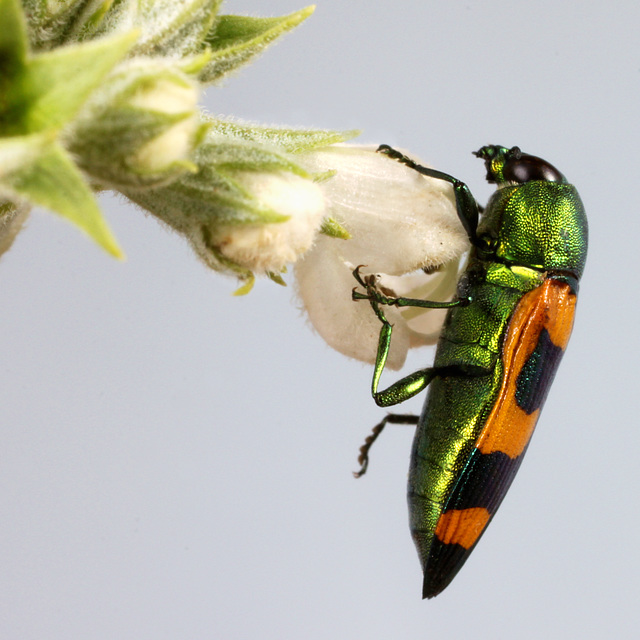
537, 374
484, 481
445, 560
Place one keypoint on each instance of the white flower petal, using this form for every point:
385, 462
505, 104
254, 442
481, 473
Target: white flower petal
324, 285
400, 223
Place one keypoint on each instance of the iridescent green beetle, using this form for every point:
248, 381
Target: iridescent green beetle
497, 355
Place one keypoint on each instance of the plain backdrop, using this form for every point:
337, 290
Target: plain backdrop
176, 462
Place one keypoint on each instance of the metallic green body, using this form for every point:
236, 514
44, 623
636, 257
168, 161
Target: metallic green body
532, 232
535, 228
457, 406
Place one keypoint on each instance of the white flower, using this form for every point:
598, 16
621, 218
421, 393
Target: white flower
400, 223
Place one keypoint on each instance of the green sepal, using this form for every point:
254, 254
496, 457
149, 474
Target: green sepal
61, 81
204, 197
334, 229
90, 20
12, 218
38, 170
290, 140
235, 40
246, 286
176, 28
47, 90
224, 263
192, 65
14, 43
74, 21
277, 278
215, 195
53, 24
102, 146
243, 156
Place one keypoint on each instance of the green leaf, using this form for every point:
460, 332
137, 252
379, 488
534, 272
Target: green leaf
235, 40
38, 170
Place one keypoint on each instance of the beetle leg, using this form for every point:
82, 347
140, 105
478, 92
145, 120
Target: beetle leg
466, 205
362, 281
375, 297
403, 389
393, 418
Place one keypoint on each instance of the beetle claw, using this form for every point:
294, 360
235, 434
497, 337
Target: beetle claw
356, 274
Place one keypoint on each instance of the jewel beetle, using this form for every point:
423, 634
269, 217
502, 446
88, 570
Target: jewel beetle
504, 335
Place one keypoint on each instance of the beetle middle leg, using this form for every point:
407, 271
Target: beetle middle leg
412, 384
406, 387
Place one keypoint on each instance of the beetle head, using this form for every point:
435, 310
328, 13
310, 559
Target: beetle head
511, 166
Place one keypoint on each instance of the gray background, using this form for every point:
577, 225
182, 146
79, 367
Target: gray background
176, 462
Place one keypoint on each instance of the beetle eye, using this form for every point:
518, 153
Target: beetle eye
521, 167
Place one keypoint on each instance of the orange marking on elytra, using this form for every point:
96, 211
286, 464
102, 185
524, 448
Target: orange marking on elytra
550, 306
462, 526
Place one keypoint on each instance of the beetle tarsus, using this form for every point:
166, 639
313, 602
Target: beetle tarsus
398, 156
393, 418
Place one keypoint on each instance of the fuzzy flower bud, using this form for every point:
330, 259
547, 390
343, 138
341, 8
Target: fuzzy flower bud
140, 127
264, 248
176, 143
103, 95
250, 208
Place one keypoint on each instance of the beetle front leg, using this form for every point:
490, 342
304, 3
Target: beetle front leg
467, 208
375, 297
414, 383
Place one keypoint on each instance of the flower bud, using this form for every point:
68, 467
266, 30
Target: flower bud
263, 248
140, 128
176, 142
